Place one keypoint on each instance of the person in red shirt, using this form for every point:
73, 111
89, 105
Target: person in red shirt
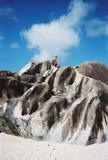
55, 62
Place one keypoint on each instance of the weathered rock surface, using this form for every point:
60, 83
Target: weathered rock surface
33, 72
70, 106
94, 70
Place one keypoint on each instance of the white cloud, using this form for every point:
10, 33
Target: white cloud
96, 27
8, 13
14, 45
76, 12
57, 36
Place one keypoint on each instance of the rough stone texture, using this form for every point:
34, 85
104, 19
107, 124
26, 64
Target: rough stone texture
10, 87
67, 107
33, 72
94, 70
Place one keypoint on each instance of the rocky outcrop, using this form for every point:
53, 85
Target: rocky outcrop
10, 87
33, 72
67, 107
9, 74
94, 70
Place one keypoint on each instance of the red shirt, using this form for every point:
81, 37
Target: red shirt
54, 62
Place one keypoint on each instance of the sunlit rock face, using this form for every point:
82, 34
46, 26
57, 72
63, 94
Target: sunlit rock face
94, 70
68, 106
33, 72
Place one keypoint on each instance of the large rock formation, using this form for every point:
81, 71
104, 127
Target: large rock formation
70, 106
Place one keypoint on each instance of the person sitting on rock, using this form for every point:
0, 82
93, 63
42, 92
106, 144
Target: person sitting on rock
55, 62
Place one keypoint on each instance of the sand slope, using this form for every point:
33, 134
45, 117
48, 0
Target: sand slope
16, 148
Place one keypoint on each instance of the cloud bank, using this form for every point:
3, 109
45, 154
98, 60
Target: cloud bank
57, 36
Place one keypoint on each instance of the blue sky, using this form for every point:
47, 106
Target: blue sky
76, 31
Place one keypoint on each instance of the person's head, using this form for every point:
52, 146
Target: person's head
56, 57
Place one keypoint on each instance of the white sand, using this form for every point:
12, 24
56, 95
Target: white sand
16, 148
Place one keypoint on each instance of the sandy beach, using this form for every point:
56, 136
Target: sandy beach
16, 148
